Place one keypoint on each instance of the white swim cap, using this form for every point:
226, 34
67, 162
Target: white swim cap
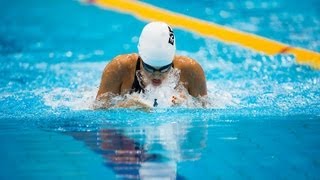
157, 45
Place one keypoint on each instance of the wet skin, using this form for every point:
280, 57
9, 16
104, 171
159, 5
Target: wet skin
119, 74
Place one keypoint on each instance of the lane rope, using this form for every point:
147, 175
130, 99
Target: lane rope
267, 46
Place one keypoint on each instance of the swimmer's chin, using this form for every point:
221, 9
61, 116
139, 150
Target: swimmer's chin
156, 82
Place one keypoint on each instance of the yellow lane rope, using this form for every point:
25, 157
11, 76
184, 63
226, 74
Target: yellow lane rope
147, 12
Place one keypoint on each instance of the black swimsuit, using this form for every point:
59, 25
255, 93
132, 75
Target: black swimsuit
136, 85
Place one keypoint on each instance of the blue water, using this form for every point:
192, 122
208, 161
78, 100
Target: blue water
263, 123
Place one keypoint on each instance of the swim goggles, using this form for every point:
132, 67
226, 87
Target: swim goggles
151, 69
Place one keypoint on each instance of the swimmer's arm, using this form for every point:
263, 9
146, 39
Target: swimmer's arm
197, 81
110, 87
198, 84
106, 101
110, 83
120, 102
133, 103
194, 81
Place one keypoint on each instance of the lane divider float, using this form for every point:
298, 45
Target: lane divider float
267, 46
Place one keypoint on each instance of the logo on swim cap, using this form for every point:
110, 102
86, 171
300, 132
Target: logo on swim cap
157, 44
171, 38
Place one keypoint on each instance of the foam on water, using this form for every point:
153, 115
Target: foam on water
84, 98
236, 78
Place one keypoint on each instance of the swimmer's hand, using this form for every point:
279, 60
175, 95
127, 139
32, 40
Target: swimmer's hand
178, 100
184, 100
133, 103
109, 100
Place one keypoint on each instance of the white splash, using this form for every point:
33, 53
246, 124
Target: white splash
163, 95
170, 93
80, 99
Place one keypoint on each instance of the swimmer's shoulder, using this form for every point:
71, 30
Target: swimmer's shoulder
126, 59
124, 62
185, 63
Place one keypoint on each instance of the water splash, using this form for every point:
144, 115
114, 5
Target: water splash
80, 99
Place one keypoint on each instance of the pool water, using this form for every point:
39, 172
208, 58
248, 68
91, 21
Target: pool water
263, 121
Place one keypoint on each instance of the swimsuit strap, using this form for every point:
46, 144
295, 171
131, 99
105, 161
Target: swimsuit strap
136, 86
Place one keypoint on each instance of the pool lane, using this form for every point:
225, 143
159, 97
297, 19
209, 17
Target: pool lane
267, 46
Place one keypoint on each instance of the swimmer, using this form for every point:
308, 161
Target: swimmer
156, 57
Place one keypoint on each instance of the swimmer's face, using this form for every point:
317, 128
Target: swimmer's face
156, 75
